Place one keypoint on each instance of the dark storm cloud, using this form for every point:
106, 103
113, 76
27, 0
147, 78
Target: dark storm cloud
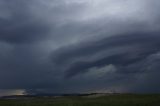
136, 47
77, 45
19, 26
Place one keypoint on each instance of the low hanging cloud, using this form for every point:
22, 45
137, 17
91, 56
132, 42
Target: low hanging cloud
70, 46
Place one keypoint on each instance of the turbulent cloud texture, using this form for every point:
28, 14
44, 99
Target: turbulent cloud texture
68, 46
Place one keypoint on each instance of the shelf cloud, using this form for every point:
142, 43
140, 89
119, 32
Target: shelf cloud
67, 46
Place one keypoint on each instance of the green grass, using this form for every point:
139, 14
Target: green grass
112, 100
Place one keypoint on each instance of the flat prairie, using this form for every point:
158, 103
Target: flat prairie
103, 100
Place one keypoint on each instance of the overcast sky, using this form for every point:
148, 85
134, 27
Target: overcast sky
70, 46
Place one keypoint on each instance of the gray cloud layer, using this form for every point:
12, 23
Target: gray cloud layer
75, 46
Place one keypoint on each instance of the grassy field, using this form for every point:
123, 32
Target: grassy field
111, 100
